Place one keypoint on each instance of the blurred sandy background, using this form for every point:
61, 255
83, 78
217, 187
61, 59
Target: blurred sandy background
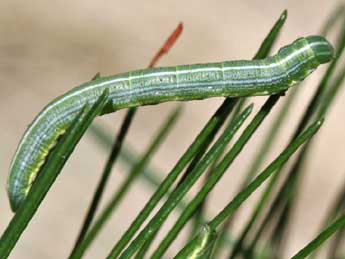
47, 47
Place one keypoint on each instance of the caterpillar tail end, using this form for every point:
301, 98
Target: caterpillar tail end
322, 49
15, 199
14, 205
16, 192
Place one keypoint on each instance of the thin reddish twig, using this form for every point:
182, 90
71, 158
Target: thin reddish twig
167, 44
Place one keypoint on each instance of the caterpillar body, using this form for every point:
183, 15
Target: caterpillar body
240, 78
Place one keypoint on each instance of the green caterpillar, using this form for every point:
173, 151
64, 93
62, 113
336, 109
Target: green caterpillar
268, 76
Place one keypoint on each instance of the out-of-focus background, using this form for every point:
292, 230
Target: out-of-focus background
48, 47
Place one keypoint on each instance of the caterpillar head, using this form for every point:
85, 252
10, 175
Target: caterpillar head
322, 49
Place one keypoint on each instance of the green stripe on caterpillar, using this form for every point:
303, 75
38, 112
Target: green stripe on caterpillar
240, 78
